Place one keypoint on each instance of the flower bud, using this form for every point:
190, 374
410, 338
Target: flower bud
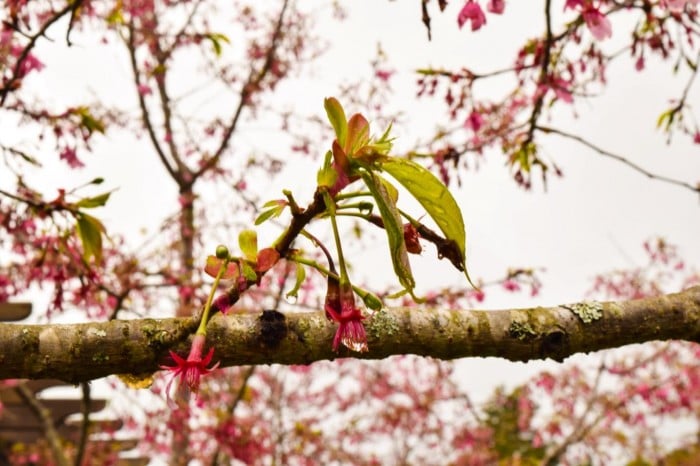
221, 252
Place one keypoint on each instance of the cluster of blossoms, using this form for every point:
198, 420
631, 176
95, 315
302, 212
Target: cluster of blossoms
473, 13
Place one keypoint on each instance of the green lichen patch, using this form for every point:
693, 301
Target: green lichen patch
521, 330
382, 324
587, 311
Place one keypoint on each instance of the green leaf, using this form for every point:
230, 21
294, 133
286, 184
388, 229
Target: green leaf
661, 121
393, 226
275, 208
248, 272
248, 242
92, 202
336, 115
90, 232
88, 121
326, 176
391, 190
301, 276
435, 198
216, 39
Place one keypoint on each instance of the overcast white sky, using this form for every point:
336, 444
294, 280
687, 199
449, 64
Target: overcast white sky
593, 220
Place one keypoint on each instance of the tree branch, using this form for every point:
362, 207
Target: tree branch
44, 415
145, 115
619, 158
80, 352
253, 81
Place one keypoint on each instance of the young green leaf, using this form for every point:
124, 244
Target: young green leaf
216, 39
326, 177
90, 232
88, 121
435, 198
336, 115
248, 272
92, 202
393, 226
300, 277
248, 242
272, 209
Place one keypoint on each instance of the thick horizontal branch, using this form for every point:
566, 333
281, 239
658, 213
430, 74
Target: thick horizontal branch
81, 352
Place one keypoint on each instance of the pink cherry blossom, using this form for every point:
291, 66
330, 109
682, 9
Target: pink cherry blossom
144, 89
496, 6
384, 75
678, 5
471, 11
474, 121
598, 23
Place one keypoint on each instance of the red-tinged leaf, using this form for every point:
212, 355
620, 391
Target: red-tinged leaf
336, 116
340, 158
267, 258
358, 134
214, 264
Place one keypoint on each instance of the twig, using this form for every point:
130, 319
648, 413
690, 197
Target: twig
619, 158
70, 7
253, 81
145, 116
85, 425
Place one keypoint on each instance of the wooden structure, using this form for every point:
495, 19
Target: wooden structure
23, 420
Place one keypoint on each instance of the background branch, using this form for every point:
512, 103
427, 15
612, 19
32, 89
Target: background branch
619, 158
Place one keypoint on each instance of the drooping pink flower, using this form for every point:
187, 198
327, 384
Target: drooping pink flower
471, 11
340, 307
696, 137
189, 371
598, 23
496, 6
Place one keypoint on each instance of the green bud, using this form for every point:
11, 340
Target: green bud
221, 252
372, 301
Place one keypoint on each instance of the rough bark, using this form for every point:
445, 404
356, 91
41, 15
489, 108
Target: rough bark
80, 352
